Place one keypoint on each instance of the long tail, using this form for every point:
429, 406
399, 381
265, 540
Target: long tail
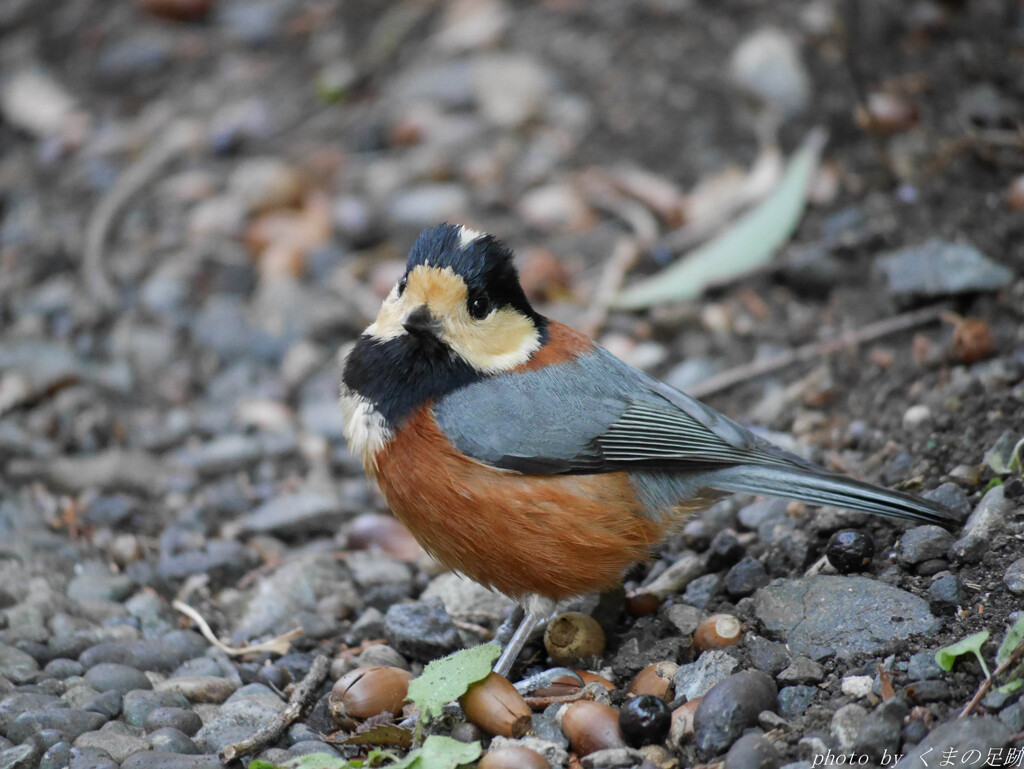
823, 488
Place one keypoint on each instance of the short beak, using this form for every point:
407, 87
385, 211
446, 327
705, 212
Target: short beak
420, 322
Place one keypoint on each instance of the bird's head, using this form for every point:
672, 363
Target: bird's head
460, 296
456, 315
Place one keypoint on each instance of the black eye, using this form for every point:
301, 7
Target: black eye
401, 284
479, 306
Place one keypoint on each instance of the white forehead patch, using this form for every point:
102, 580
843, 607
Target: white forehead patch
468, 236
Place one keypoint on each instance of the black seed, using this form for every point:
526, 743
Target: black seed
849, 551
645, 720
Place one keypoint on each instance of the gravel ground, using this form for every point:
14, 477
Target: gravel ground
197, 215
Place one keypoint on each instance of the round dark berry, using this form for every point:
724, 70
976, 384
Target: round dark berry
645, 720
849, 551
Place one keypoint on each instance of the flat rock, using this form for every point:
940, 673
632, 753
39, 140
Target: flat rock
155, 759
199, 688
292, 515
822, 615
116, 738
17, 666
940, 268
422, 630
981, 733
697, 678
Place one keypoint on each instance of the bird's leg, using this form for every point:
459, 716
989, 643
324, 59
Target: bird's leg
508, 627
537, 610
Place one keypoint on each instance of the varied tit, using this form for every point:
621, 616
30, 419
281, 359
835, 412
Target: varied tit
530, 459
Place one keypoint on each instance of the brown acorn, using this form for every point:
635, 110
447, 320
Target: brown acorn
655, 679
369, 691
495, 706
717, 632
513, 757
573, 636
682, 722
592, 726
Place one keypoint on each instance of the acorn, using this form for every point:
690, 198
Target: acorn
717, 632
682, 722
655, 679
573, 636
513, 757
642, 604
592, 726
369, 691
495, 706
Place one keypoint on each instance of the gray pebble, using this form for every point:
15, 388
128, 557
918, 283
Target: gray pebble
950, 495
769, 656
1014, 577
18, 757
70, 720
172, 741
922, 543
931, 690
107, 704
179, 719
697, 678
979, 733
117, 738
160, 655
17, 666
940, 268
880, 732
752, 751
793, 701
922, 666
422, 631
1013, 716
57, 757
199, 688
62, 668
154, 759
847, 723
16, 703
683, 617
729, 708
801, 671
703, 590
945, 594
745, 577
91, 758
308, 747
988, 518
140, 703
100, 587
110, 676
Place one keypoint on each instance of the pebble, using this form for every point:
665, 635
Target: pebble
612, 758
237, 719
100, 587
421, 631
292, 515
745, 577
199, 688
159, 760
110, 676
916, 416
922, 665
160, 655
793, 701
18, 757
801, 671
180, 719
769, 656
752, 751
684, 617
988, 518
857, 686
58, 756
72, 721
822, 615
697, 678
945, 594
846, 724
703, 590
767, 65
139, 704
62, 668
950, 495
108, 704
880, 731
929, 691
729, 708
116, 738
1014, 577
922, 543
960, 735
17, 666
172, 741
939, 268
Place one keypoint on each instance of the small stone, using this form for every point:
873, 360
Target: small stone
922, 666
612, 758
18, 757
769, 656
745, 577
17, 666
847, 723
950, 495
108, 704
703, 590
988, 518
724, 551
180, 719
139, 704
684, 618
932, 690
58, 756
922, 543
1014, 577
801, 671
109, 676
172, 741
940, 268
857, 686
960, 735
767, 65
422, 631
62, 668
729, 708
159, 760
793, 701
945, 594
697, 678
116, 738
72, 721
292, 515
199, 688
752, 750
916, 416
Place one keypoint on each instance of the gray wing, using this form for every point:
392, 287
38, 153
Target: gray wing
594, 414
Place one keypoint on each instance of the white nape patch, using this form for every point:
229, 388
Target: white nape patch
468, 236
364, 428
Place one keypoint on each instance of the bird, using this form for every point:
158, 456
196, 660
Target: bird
525, 456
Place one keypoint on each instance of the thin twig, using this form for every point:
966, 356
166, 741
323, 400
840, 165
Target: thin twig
1008, 663
758, 368
301, 699
540, 703
279, 645
178, 138
625, 255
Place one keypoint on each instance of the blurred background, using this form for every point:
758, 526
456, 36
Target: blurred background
202, 201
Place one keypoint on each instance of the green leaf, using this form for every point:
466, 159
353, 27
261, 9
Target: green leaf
448, 678
440, 753
970, 645
1014, 638
316, 761
1011, 687
1005, 457
746, 245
